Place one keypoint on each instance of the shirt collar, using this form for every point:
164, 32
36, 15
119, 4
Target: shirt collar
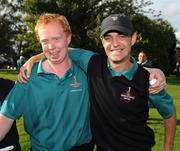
40, 66
129, 73
40, 69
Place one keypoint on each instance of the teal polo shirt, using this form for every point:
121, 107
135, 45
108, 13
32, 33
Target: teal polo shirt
55, 110
162, 100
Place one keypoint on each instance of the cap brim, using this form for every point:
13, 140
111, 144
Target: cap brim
120, 29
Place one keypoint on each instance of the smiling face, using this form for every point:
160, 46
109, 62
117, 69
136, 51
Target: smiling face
118, 46
54, 41
142, 57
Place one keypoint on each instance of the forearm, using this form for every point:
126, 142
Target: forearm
5, 125
170, 130
36, 58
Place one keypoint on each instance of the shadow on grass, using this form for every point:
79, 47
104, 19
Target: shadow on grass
173, 80
159, 121
8, 71
155, 121
178, 122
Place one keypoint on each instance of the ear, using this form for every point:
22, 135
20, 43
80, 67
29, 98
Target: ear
134, 38
102, 41
69, 38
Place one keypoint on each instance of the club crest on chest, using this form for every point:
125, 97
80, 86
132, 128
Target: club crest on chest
127, 96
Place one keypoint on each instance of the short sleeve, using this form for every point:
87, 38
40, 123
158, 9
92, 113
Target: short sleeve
163, 102
13, 104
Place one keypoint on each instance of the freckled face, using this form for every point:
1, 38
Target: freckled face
54, 42
142, 57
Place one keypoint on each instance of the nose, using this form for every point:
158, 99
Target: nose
50, 46
115, 42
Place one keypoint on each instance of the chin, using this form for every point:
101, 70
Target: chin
117, 60
56, 61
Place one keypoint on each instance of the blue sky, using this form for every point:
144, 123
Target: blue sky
170, 10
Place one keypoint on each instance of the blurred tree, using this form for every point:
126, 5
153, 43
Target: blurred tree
85, 17
6, 34
177, 54
12, 13
158, 37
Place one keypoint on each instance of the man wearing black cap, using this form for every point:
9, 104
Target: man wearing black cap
119, 93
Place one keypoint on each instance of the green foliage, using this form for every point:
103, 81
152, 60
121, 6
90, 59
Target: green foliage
11, 15
158, 38
6, 34
85, 17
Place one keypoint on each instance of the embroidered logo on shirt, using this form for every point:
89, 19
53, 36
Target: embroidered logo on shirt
75, 85
127, 97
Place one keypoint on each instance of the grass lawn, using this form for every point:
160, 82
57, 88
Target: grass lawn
173, 88
155, 121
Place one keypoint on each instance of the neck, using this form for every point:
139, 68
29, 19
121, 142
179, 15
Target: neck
57, 68
121, 66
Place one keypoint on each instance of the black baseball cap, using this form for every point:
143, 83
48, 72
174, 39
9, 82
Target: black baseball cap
117, 22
